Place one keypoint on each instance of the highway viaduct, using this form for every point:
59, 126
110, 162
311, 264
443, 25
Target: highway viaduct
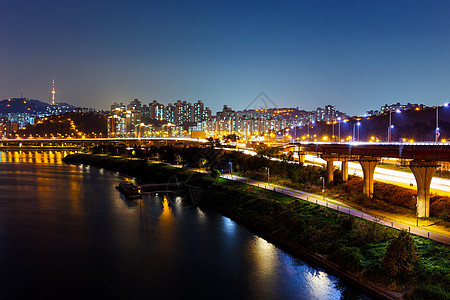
423, 160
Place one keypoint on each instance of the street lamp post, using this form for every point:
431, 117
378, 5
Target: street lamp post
417, 212
295, 134
308, 131
353, 133
332, 135
267, 175
390, 124
437, 134
353, 136
339, 129
323, 187
359, 123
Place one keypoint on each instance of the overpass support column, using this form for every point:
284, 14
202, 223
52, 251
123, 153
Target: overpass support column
368, 165
329, 158
344, 170
301, 157
330, 170
423, 172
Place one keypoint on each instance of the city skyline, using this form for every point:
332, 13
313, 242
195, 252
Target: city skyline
355, 55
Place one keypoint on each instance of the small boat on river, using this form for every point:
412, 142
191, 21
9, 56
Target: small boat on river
129, 189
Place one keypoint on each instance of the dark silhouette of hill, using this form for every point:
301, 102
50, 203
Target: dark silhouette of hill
24, 105
71, 124
418, 125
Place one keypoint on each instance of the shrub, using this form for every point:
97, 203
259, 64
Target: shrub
349, 258
440, 207
215, 173
401, 256
347, 223
426, 292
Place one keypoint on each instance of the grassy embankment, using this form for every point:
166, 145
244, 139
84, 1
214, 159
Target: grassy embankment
357, 247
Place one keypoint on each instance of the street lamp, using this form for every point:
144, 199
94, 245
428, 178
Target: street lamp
332, 132
359, 124
308, 131
339, 129
437, 134
323, 187
267, 175
417, 212
354, 125
390, 124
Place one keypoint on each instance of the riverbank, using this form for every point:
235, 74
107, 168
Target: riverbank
349, 247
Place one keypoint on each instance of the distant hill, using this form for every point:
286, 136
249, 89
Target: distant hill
419, 125
71, 124
25, 105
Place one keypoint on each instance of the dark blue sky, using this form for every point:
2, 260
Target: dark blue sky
356, 55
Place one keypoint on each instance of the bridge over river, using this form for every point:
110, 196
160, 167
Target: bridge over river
78, 143
422, 158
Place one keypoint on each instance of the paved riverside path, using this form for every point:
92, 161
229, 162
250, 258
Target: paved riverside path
342, 207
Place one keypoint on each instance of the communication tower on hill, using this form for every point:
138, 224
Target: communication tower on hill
52, 93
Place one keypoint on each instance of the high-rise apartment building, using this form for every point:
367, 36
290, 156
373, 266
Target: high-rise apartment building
330, 113
198, 111
135, 105
158, 109
206, 115
182, 112
170, 113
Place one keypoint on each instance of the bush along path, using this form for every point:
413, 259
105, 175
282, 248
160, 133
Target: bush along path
387, 263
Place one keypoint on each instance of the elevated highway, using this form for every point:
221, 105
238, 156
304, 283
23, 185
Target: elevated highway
422, 158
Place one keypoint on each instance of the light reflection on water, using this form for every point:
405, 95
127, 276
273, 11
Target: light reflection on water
34, 156
228, 225
67, 227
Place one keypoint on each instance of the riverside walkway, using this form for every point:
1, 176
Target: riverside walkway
397, 222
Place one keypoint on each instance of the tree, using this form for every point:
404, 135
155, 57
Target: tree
401, 255
231, 137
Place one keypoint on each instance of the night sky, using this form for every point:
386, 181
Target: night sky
356, 55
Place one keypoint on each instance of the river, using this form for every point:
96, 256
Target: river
66, 232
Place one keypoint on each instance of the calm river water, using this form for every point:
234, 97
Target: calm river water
66, 232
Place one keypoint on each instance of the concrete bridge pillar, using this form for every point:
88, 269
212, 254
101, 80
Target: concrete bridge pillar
330, 158
330, 170
301, 157
344, 170
423, 172
368, 165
